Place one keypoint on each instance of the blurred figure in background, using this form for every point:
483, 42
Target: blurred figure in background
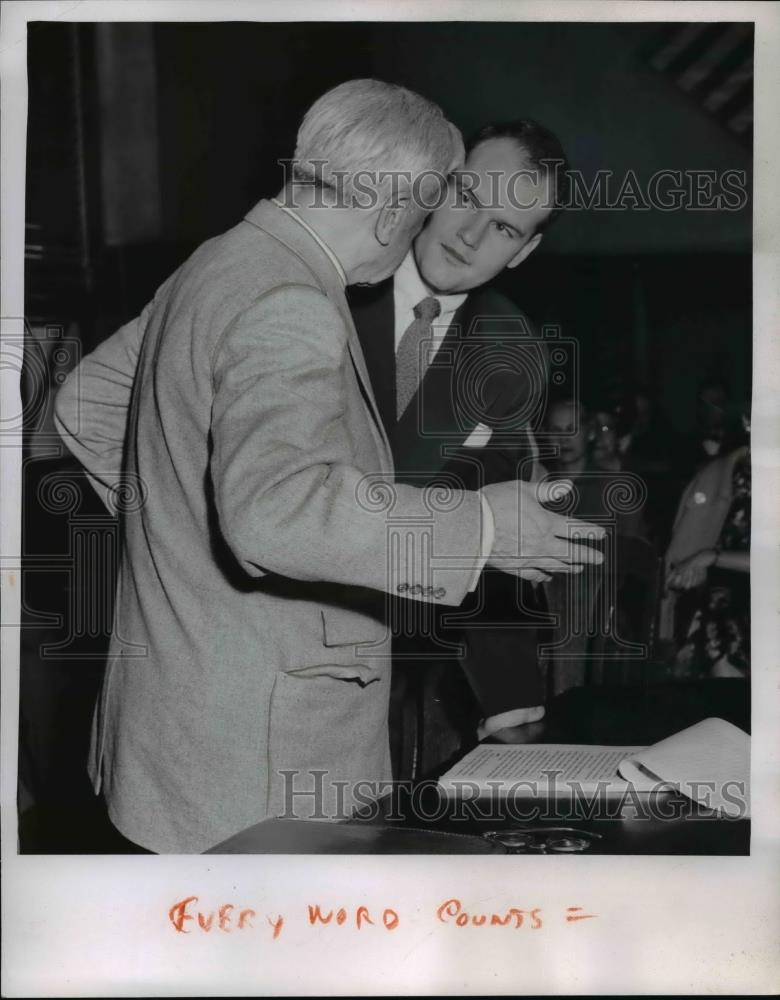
712, 405
605, 454
602, 607
567, 428
587, 454
719, 427
707, 607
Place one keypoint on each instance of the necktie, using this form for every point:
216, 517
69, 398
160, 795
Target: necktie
410, 365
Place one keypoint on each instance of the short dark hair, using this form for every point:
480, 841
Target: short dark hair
542, 150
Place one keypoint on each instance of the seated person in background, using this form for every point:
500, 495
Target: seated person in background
587, 454
708, 567
719, 429
707, 441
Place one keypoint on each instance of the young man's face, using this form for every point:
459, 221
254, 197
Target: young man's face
486, 224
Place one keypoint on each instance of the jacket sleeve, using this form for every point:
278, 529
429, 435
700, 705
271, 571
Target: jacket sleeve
288, 498
91, 409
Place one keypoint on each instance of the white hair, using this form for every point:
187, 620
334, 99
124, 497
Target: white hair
367, 127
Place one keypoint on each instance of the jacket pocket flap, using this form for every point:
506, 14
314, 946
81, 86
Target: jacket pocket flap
344, 627
336, 672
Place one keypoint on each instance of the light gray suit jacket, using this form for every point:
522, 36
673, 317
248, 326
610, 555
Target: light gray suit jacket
260, 536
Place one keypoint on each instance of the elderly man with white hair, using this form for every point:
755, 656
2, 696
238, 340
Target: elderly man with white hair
250, 657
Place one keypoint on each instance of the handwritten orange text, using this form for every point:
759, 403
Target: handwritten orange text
186, 916
573, 913
389, 918
452, 911
226, 918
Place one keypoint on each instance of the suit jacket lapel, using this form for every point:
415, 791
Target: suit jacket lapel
294, 236
439, 419
373, 310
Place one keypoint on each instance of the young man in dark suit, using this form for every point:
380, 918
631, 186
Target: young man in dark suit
460, 384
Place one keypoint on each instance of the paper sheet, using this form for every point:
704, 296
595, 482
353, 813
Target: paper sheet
535, 764
708, 762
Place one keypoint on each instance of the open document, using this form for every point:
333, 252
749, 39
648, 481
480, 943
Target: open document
709, 762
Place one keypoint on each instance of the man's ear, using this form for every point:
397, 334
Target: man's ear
389, 218
527, 250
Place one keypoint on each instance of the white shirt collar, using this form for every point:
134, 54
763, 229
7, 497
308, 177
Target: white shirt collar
316, 237
413, 289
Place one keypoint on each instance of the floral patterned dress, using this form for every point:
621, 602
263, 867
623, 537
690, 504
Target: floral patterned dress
716, 641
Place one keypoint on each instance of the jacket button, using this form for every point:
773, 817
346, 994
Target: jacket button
402, 588
415, 589
440, 592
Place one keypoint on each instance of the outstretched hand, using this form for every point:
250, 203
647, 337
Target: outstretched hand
532, 542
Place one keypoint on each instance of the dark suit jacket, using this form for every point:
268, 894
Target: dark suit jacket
490, 369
